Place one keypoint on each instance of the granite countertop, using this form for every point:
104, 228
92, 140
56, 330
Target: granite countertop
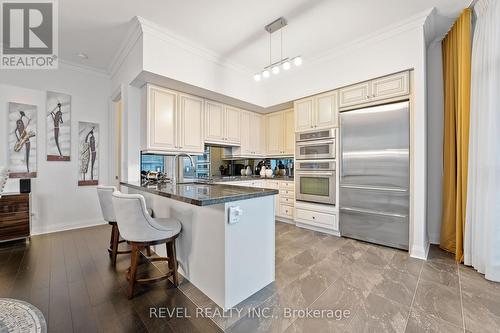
220, 179
202, 194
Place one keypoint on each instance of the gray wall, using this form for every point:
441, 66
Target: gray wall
435, 107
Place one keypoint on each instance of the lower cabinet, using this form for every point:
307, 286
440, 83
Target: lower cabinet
284, 202
322, 218
317, 217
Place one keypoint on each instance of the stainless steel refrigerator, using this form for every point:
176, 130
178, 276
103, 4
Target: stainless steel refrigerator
374, 174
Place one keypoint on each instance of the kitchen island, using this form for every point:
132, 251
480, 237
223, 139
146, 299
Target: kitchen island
226, 247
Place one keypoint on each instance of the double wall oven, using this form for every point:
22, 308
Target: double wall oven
315, 172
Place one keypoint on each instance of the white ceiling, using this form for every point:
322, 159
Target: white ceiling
234, 29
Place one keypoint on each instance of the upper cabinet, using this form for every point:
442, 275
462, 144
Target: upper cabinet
304, 114
382, 88
191, 124
222, 124
233, 125
320, 111
280, 136
252, 136
161, 120
326, 110
174, 122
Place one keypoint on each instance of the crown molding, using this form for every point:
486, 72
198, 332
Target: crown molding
133, 34
84, 69
181, 42
413, 22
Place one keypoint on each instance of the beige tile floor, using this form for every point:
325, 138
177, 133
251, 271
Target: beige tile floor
383, 289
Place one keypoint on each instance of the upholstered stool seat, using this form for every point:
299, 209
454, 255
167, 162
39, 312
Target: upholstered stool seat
141, 231
105, 193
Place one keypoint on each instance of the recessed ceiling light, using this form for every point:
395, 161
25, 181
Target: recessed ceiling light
82, 55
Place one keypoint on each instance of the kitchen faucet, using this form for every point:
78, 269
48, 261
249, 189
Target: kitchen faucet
176, 158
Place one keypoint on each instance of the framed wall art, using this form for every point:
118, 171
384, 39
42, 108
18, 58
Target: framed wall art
88, 157
58, 120
22, 140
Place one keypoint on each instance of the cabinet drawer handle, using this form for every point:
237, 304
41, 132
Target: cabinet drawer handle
314, 217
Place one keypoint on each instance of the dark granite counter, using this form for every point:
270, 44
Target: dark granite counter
202, 194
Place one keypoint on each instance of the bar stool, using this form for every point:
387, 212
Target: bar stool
141, 230
108, 213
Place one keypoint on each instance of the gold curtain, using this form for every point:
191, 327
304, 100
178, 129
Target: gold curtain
456, 76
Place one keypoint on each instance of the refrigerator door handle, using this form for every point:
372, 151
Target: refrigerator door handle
367, 211
357, 187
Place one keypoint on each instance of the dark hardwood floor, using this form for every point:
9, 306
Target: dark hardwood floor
69, 277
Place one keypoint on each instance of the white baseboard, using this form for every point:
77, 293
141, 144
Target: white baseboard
56, 228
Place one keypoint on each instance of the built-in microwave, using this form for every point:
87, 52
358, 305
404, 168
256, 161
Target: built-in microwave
315, 181
315, 144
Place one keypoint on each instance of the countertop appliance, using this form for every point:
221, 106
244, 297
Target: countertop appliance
316, 144
315, 181
374, 174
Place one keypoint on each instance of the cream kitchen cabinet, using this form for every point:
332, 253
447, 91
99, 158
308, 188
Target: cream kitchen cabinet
379, 89
289, 141
284, 201
304, 114
356, 94
222, 124
252, 136
320, 111
280, 133
173, 122
191, 124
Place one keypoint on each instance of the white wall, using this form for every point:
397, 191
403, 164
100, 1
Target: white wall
435, 108
58, 203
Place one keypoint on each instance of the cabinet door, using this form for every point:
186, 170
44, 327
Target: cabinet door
162, 119
275, 136
303, 114
233, 125
262, 136
214, 122
289, 133
245, 148
326, 110
191, 124
356, 94
256, 134
391, 86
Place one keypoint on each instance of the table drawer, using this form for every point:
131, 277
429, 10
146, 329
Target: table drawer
316, 218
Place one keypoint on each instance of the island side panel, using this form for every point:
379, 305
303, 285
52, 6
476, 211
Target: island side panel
200, 246
250, 261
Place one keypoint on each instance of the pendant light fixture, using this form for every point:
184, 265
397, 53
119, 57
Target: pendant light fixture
282, 64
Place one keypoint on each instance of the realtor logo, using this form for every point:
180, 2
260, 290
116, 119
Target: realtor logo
29, 34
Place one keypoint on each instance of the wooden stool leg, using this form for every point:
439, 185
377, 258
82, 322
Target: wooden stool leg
132, 271
172, 261
110, 249
148, 250
114, 246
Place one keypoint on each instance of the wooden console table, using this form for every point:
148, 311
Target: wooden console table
14, 216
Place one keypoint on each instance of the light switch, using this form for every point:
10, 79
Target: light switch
235, 214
